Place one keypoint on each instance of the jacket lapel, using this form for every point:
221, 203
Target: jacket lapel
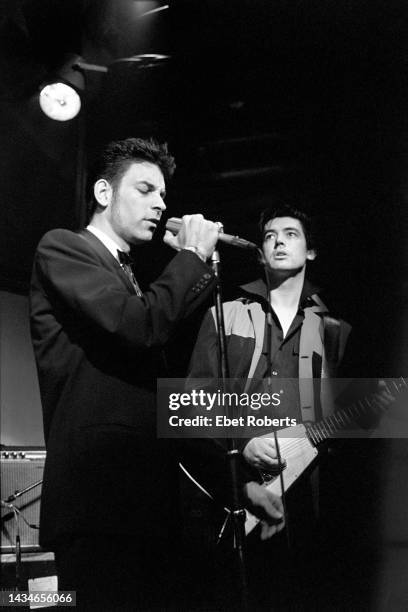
107, 258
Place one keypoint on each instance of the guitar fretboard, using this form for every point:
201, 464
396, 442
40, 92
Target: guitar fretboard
345, 417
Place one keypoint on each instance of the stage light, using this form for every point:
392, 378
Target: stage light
59, 98
60, 101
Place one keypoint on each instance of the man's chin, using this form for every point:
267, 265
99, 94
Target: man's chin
284, 270
280, 266
141, 238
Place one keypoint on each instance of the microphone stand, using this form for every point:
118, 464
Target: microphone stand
6, 503
237, 510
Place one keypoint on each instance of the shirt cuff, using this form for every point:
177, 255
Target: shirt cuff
195, 250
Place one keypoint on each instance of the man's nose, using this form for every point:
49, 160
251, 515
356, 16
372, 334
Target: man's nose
159, 203
279, 240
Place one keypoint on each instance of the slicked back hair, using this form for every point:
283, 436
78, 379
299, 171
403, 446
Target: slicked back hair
116, 158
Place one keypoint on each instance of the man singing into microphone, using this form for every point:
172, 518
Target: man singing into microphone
109, 504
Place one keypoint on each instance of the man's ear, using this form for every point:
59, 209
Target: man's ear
103, 192
311, 254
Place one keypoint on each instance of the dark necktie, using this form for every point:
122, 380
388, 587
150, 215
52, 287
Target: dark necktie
126, 264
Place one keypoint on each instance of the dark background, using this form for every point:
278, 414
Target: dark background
259, 95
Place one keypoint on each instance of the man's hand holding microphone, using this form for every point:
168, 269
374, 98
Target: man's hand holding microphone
194, 234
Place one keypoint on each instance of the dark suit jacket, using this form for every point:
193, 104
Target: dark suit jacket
98, 352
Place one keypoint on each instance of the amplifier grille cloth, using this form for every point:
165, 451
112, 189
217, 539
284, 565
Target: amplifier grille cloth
16, 475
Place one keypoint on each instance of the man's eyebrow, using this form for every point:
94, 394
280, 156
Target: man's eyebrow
152, 186
268, 231
285, 229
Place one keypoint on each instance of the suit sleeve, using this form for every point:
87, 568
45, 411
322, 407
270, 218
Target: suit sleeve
204, 359
70, 272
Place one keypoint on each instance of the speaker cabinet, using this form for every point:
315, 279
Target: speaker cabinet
21, 473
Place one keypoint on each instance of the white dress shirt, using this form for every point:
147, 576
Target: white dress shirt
106, 240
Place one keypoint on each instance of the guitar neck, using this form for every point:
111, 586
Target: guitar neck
343, 418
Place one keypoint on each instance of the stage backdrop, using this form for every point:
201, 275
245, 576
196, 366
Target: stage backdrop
21, 420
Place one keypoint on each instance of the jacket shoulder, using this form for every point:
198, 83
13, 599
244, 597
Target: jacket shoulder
239, 315
233, 307
59, 236
65, 243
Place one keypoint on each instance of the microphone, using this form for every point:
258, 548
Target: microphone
174, 224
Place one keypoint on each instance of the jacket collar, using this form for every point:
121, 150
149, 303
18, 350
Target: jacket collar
103, 252
308, 299
100, 248
110, 244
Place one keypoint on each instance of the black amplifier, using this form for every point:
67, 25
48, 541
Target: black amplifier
21, 471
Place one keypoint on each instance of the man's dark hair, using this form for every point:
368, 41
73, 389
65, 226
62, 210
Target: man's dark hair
116, 158
284, 208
